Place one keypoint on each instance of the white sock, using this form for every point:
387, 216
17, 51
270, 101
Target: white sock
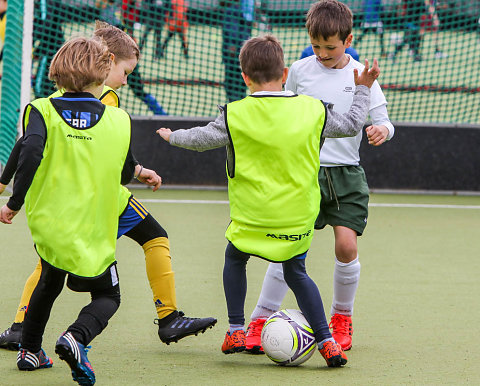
345, 283
274, 289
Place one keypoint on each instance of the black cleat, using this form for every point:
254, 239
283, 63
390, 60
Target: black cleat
10, 338
176, 326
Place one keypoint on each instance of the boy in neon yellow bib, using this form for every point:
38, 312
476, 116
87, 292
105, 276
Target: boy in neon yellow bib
135, 221
75, 154
273, 140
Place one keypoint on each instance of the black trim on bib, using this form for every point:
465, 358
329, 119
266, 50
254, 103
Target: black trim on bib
88, 111
230, 166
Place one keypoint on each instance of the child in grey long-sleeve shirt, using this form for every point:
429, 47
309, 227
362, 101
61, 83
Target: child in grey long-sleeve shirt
273, 140
215, 135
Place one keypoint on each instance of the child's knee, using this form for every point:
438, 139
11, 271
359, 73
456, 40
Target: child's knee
346, 250
294, 271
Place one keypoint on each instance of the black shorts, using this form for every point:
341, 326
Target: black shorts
108, 279
345, 197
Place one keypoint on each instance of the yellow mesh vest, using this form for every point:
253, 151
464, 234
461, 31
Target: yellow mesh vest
273, 183
69, 206
110, 98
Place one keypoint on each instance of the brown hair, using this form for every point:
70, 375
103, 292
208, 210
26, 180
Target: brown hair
79, 63
327, 18
119, 42
261, 58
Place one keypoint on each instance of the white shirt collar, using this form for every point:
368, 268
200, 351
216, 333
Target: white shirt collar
275, 93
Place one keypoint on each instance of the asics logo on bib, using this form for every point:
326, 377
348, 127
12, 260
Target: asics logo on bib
290, 237
79, 137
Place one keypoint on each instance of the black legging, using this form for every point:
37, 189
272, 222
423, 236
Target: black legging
305, 290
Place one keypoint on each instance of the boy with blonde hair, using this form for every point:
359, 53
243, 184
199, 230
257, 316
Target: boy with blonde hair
135, 221
328, 76
273, 142
72, 146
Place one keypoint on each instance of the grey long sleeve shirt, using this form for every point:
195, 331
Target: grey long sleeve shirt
215, 135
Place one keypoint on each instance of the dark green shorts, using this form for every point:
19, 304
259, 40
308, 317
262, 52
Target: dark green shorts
344, 198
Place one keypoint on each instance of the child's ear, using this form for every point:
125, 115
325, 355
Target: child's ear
348, 41
246, 79
285, 75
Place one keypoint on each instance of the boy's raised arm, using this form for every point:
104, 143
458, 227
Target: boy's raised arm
368, 75
349, 124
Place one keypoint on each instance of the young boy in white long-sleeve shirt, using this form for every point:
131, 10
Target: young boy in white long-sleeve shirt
328, 75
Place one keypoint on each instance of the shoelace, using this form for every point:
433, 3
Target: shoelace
255, 329
340, 325
181, 314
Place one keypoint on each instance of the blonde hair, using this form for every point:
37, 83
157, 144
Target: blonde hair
327, 18
119, 42
80, 63
261, 58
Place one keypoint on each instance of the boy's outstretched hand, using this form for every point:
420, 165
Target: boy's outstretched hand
368, 75
164, 133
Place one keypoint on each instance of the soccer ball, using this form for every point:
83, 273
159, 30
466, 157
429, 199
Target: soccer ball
287, 338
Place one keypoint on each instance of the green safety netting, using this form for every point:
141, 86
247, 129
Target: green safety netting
11, 77
427, 50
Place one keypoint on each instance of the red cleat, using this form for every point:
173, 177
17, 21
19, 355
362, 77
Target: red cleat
333, 354
234, 343
254, 336
342, 330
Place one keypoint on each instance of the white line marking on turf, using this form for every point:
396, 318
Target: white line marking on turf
379, 205
434, 206
160, 201
386, 205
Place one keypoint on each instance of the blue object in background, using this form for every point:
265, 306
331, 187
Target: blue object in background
350, 50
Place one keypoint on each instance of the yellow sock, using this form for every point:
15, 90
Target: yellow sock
27, 292
160, 275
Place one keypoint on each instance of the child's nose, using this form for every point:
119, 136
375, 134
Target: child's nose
322, 53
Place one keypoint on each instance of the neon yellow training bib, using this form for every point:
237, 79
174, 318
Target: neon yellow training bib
69, 206
273, 183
